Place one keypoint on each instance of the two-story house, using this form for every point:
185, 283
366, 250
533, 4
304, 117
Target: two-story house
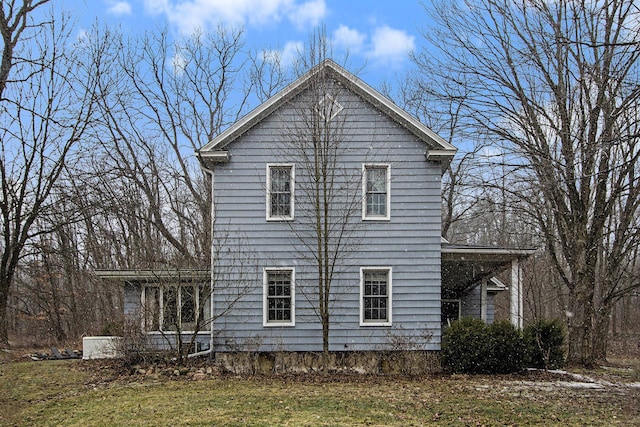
327, 210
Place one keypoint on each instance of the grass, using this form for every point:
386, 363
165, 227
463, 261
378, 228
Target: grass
77, 393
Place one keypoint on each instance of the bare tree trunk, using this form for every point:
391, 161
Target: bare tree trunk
600, 334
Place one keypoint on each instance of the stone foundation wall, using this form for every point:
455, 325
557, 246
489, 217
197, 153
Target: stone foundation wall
385, 363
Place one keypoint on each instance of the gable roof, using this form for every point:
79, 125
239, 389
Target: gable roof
439, 149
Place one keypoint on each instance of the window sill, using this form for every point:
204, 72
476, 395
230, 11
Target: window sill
376, 324
279, 218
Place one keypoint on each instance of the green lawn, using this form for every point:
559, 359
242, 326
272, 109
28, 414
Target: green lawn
81, 393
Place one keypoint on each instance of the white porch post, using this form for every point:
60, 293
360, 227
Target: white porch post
483, 300
516, 294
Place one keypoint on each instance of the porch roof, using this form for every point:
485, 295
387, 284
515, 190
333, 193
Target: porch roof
463, 266
154, 276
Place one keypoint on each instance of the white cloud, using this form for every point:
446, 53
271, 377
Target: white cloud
285, 57
390, 44
188, 15
349, 39
119, 7
156, 7
308, 14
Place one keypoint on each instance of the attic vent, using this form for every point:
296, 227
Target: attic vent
328, 107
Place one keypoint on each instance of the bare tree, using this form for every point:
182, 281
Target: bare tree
439, 105
45, 106
555, 84
160, 100
327, 197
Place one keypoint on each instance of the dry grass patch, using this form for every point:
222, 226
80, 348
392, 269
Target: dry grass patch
75, 393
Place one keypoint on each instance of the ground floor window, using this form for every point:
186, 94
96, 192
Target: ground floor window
184, 307
375, 296
450, 311
279, 297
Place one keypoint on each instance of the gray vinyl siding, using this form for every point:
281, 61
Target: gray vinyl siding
471, 304
409, 242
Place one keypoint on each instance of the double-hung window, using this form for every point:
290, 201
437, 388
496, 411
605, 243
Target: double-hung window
376, 189
279, 297
280, 191
184, 308
375, 296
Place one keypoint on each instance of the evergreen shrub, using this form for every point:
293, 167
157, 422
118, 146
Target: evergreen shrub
545, 340
465, 346
472, 347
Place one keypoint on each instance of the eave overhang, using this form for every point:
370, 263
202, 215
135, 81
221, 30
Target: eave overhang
218, 156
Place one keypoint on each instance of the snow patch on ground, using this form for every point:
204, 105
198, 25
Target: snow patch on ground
580, 382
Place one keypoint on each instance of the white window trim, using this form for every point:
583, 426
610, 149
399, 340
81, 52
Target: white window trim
206, 329
265, 292
366, 217
290, 217
389, 320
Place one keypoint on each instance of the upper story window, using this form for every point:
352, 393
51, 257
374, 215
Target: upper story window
183, 308
375, 296
279, 297
376, 179
280, 186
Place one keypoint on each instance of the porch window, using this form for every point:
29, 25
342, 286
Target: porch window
280, 187
376, 188
375, 296
279, 297
183, 308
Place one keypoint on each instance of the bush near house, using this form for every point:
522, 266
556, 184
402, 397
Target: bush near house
545, 340
465, 346
473, 347
508, 349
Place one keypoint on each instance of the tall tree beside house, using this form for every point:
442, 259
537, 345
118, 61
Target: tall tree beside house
327, 196
46, 101
555, 84
160, 99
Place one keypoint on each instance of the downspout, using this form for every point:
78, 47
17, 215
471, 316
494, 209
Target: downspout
211, 306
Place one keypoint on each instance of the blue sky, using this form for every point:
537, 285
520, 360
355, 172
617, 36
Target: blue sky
379, 34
